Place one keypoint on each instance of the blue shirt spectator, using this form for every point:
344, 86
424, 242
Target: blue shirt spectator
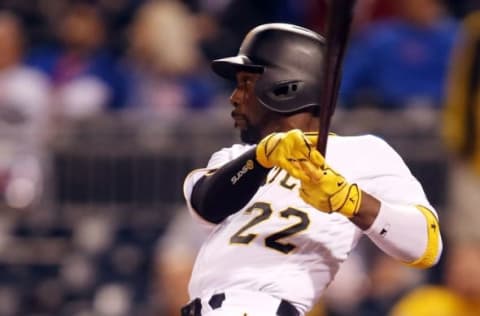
167, 75
84, 74
396, 63
63, 67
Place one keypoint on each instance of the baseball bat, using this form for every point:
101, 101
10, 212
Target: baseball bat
339, 20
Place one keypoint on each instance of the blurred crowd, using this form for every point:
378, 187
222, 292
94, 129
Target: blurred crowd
91, 217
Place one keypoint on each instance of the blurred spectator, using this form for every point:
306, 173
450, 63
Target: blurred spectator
41, 17
344, 295
460, 296
35, 20
165, 64
176, 253
366, 11
461, 8
401, 62
83, 72
462, 133
24, 98
389, 280
369, 284
234, 18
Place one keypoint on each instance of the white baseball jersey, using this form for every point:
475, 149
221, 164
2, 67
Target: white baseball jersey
278, 244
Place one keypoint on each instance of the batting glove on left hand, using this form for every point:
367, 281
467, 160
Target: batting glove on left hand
285, 150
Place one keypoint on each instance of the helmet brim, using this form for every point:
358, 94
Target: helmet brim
228, 67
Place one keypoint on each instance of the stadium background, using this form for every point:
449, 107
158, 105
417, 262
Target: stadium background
106, 105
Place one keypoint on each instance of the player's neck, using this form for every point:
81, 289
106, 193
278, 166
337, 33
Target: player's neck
304, 121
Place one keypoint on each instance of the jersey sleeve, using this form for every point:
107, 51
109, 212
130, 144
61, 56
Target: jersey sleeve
390, 179
216, 161
406, 227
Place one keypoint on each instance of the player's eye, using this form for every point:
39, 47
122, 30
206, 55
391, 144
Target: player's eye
248, 82
243, 83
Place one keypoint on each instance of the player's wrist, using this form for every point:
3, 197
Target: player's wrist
368, 211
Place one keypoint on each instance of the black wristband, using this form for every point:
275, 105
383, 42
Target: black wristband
228, 189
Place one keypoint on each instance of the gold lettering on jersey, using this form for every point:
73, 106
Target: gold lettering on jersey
276, 172
284, 183
249, 165
287, 181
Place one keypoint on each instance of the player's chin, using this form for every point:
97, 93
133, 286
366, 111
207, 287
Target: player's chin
240, 124
250, 136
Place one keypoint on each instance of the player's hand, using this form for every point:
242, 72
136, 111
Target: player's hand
285, 150
327, 190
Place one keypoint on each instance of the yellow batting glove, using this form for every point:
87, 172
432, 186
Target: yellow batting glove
285, 150
327, 190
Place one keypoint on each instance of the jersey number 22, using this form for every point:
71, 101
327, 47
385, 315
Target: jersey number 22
272, 241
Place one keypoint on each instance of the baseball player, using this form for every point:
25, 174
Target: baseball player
282, 217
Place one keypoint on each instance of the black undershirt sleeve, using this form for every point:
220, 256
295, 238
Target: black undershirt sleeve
226, 190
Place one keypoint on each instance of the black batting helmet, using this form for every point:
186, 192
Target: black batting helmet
290, 59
